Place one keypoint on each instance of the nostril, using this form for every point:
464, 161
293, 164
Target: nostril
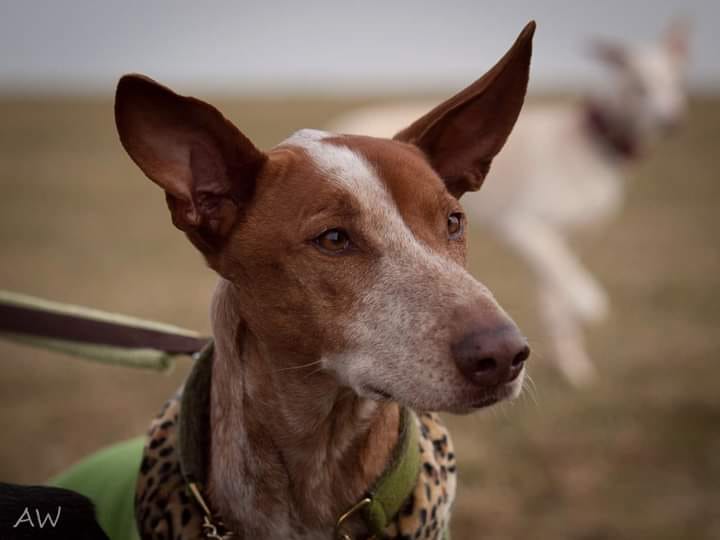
490, 356
485, 364
521, 356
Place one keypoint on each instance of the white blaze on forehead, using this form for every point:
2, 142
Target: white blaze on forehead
306, 136
346, 168
353, 172
357, 176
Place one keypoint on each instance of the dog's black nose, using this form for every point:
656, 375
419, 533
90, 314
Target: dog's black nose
490, 357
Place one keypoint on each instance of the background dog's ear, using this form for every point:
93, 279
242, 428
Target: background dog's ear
462, 135
206, 166
676, 39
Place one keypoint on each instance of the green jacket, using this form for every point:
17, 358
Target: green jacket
108, 479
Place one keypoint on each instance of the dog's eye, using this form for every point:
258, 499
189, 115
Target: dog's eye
333, 241
456, 224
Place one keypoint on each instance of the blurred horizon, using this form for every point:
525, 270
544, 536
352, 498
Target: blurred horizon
80, 47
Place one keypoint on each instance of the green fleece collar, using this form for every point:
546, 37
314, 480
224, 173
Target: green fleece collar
377, 509
398, 480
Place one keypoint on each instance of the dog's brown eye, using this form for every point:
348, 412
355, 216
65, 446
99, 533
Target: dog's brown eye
455, 225
333, 241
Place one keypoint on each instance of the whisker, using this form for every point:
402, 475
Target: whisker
302, 366
313, 372
531, 389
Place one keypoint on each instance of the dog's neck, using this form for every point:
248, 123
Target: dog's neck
291, 449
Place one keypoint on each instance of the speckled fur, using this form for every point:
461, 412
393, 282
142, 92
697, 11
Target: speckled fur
166, 511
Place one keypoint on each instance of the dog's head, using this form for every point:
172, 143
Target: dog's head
344, 248
648, 85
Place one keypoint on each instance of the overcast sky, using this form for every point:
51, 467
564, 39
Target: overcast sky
285, 46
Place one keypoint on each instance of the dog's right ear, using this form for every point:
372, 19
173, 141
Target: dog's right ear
461, 136
206, 166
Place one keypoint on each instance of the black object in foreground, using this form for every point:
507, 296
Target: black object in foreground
46, 513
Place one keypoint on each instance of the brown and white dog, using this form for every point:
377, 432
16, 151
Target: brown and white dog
342, 291
562, 170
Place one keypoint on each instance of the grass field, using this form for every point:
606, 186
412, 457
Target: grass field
636, 456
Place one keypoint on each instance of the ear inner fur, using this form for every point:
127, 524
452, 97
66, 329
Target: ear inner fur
206, 166
462, 135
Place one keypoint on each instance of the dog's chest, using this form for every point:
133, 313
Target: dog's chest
166, 510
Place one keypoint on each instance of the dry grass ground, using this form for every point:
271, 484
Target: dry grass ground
636, 456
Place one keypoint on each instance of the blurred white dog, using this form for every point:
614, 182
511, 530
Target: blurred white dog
562, 170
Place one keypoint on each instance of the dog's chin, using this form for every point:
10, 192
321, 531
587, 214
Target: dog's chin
487, 398
506, 391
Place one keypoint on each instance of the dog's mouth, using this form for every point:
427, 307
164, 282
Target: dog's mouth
471, 402
485, 401
373, 392
508, 390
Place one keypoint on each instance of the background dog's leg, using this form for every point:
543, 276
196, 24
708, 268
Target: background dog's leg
569, 294
549, 256
566, 337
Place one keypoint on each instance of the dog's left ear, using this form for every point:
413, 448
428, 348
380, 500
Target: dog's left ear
461, 136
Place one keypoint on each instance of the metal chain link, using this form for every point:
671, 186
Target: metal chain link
211, 531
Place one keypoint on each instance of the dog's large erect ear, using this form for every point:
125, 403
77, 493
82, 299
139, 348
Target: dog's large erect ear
462, 135
676, 39
206, 166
